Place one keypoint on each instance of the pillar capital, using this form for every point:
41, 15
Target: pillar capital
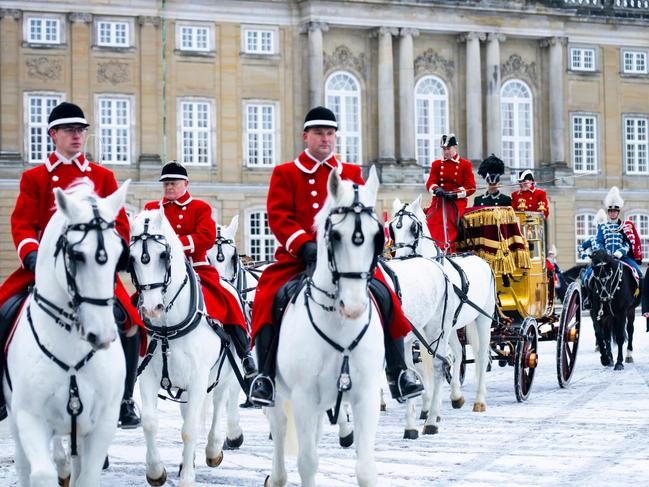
312, 26
408, 31
496, 37
10, 13
384, 31
149, 20
554, 41
80, 17
470, 36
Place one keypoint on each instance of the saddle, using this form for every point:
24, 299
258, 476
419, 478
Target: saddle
8, 315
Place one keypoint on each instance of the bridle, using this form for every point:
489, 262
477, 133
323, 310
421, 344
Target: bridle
220, 242
416, 229
605, 282
145, 237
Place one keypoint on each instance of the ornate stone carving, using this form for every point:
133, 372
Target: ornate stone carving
516, 66
113, 72
80, 17
44, 68
145, 20
407, 31
9, 12
314, 25
342, 57
431, 62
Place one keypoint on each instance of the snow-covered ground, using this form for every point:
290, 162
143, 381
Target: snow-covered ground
593, 433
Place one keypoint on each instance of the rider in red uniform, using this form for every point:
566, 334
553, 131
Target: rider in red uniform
529, 197
34, 207
192, 221
297, 191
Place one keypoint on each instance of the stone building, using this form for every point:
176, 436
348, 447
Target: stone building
561, 86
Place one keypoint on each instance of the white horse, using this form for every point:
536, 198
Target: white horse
171, 304
66, 370
412, 238
334, 304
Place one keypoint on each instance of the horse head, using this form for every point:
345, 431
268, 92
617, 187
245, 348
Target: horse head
601, 258
155, 252
223, 256
350, 239
408, 227
90, 249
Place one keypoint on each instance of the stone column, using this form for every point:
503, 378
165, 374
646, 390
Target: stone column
407, 154
80, 42
386, 95
556, 94
316, 59
493, 93
10, 100
473, 95
150, 114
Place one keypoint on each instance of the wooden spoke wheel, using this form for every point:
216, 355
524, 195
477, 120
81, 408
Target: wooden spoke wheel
525, 358
568, 334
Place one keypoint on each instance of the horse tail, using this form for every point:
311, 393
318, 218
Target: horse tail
290, 440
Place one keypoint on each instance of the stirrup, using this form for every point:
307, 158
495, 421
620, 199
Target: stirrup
262, 401
398, 394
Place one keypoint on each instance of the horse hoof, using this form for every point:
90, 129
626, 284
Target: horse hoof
384, 408
64, 482
270, 436
346, 441
423, 415
410, 434
233, 444
619, 366
159, 481
458, 403
214, 462
629, 359
267, 481
430, 429
479, 407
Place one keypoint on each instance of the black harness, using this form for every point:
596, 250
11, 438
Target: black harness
605, 283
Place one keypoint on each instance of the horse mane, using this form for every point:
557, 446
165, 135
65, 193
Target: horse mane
321, 216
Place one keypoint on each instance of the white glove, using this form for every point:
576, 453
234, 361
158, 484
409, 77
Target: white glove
617, 254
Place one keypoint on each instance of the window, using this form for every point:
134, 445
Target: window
256, 41
584, 143
259, 136
195, 132
634, 62
584, 229
37, 111
113, 34
343, 96
431, 118
193, 38
114, 117
516, 117
261, 241
636, 145
42, 30
641, 223
582, 59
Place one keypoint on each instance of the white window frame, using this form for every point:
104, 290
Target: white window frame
580, 142
194, 28
112, 24
46, 145
516, 139
101, 144
640, 221
344, 134
257, 50
434, 133
43, 18
265, 238
579, 52
636, 55
588, 225
636, 147
210, 131
274, 132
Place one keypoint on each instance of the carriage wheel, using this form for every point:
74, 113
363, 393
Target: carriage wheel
462, 365
525, 359
568, 334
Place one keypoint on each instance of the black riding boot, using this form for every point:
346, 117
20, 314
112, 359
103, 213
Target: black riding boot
262, 390
403, 382
8, 314
128, 417
241, 344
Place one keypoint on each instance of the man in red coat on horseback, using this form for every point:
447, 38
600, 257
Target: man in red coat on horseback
297, 191
192, 221
67, 126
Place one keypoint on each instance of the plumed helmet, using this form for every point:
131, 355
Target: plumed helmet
320, 117
525, 175
66, 113
613, 200
600, 217
448, 140
491, 169
173, 170
553, 250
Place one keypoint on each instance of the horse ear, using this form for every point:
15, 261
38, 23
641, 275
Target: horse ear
234, 225
333, 184
116, 200
396, 205
372, 183
63, 202
417, 203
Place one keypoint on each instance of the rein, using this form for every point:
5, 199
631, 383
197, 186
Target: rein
605, 285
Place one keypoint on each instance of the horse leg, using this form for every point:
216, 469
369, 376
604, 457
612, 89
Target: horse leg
306, 425
630, 319
94, 447
480, 344
22, 464
191, 414
410, 432
345, 429
34, 435
619, 329
457, 398
366, 418
149, 385
234, 433
431, 426
277, 421
61, 459
214, 447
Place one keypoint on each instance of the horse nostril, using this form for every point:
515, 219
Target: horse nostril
92, 338
159, 307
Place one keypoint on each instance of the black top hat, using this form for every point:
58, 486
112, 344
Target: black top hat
173, 170
491, 169
448, 140
320, 117
66, 114
525, 175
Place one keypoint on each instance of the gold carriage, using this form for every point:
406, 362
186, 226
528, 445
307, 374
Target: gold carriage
513, 243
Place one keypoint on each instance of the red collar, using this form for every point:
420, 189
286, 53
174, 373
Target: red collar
55, 159
182, 201
309, 164
453, 159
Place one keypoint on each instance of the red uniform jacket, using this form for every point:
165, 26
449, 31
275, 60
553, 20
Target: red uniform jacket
531, 200
35, 206
192, 220
297, 191
455, 176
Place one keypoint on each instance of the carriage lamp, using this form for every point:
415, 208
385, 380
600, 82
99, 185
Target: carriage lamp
532, 360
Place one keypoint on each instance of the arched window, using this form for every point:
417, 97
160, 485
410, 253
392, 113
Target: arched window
517, 128
431, 118
585, 228
641, 224
261, 242
343, 95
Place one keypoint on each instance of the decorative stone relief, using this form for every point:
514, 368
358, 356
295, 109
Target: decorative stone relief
431, 62
342, 57
517, 67
113, 72
44, 68
80, 18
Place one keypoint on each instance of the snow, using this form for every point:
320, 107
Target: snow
592, 433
